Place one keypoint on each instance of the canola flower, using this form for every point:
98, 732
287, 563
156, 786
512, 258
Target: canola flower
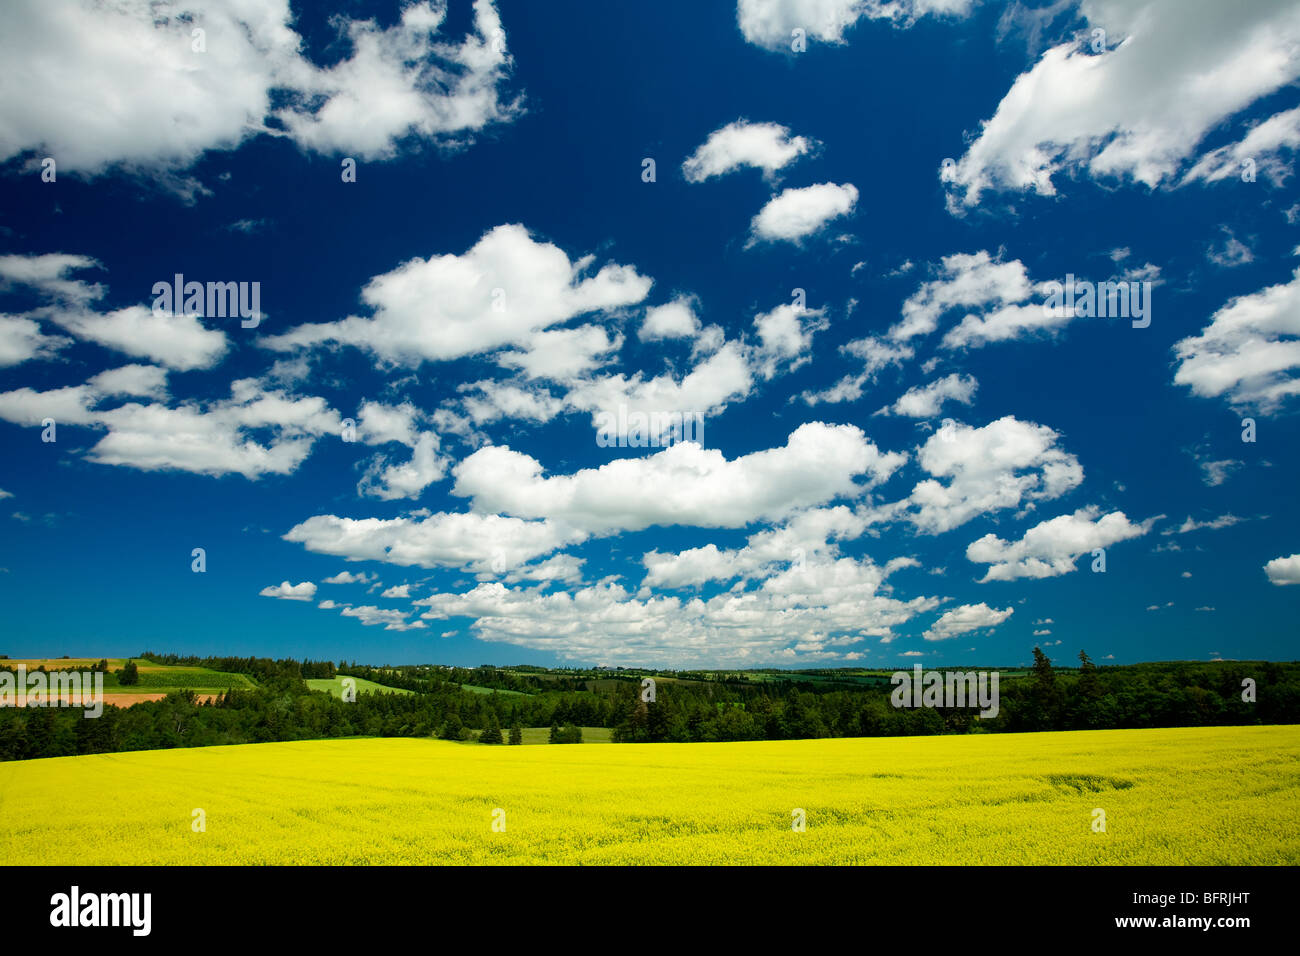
1170, 796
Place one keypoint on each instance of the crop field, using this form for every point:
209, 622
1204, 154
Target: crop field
156, 680
335, 686
475, 689
1172, 796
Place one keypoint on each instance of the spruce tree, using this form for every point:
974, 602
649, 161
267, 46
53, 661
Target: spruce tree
451, 729
492, 732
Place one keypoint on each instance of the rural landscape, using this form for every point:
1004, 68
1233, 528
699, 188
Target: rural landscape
698, 433
257, 761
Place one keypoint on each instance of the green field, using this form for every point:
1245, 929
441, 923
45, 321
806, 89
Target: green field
335, 686
166, 678
475, 689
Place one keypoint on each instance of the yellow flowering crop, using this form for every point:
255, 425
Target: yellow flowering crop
1188, 795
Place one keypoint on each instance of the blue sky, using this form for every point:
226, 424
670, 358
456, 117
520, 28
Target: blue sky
911, 460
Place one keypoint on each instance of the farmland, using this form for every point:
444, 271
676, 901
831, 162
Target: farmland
334, 685
156, 680
1218, 795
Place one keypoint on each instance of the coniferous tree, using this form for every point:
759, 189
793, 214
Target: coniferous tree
1087, 675
492, 732
452, 728
1046, 699
516, 733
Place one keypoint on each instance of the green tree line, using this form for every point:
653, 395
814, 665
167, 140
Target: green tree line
281, 707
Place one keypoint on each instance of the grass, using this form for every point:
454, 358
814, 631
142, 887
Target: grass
335, 686
475, 689
1173, 796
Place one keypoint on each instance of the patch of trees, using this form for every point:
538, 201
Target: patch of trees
568, 734
129, 675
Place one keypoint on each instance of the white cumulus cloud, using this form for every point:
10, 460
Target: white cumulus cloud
798, 213
765, 146
964, 619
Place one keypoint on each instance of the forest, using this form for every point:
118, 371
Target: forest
684, 707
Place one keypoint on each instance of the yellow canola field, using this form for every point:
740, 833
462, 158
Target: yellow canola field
1175, 796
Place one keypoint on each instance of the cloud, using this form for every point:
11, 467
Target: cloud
768, 23
290, 592
1164, 73
675, 320
179, 342
765, 146
807, 535
50, 275
1001, 304
1249, 352
1215, 473
682, 484
475, 542
392, 619
501, 292
808, 614
798, 213
148, 381
926, 401
1258, 152
397, 591
964, 619
378, 424
721, 378
875, 355
142, 97
562, 354
22, 340
1050, 548
390, 480
399, 82
1005, 464
1284, 570
215, 438
347, 577
248, 226
565, 568
489, 401
1006, 324
1223, 521
966, 280
1230, 253
785, 337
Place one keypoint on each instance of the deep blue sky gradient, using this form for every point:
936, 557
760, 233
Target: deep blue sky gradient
103, 567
